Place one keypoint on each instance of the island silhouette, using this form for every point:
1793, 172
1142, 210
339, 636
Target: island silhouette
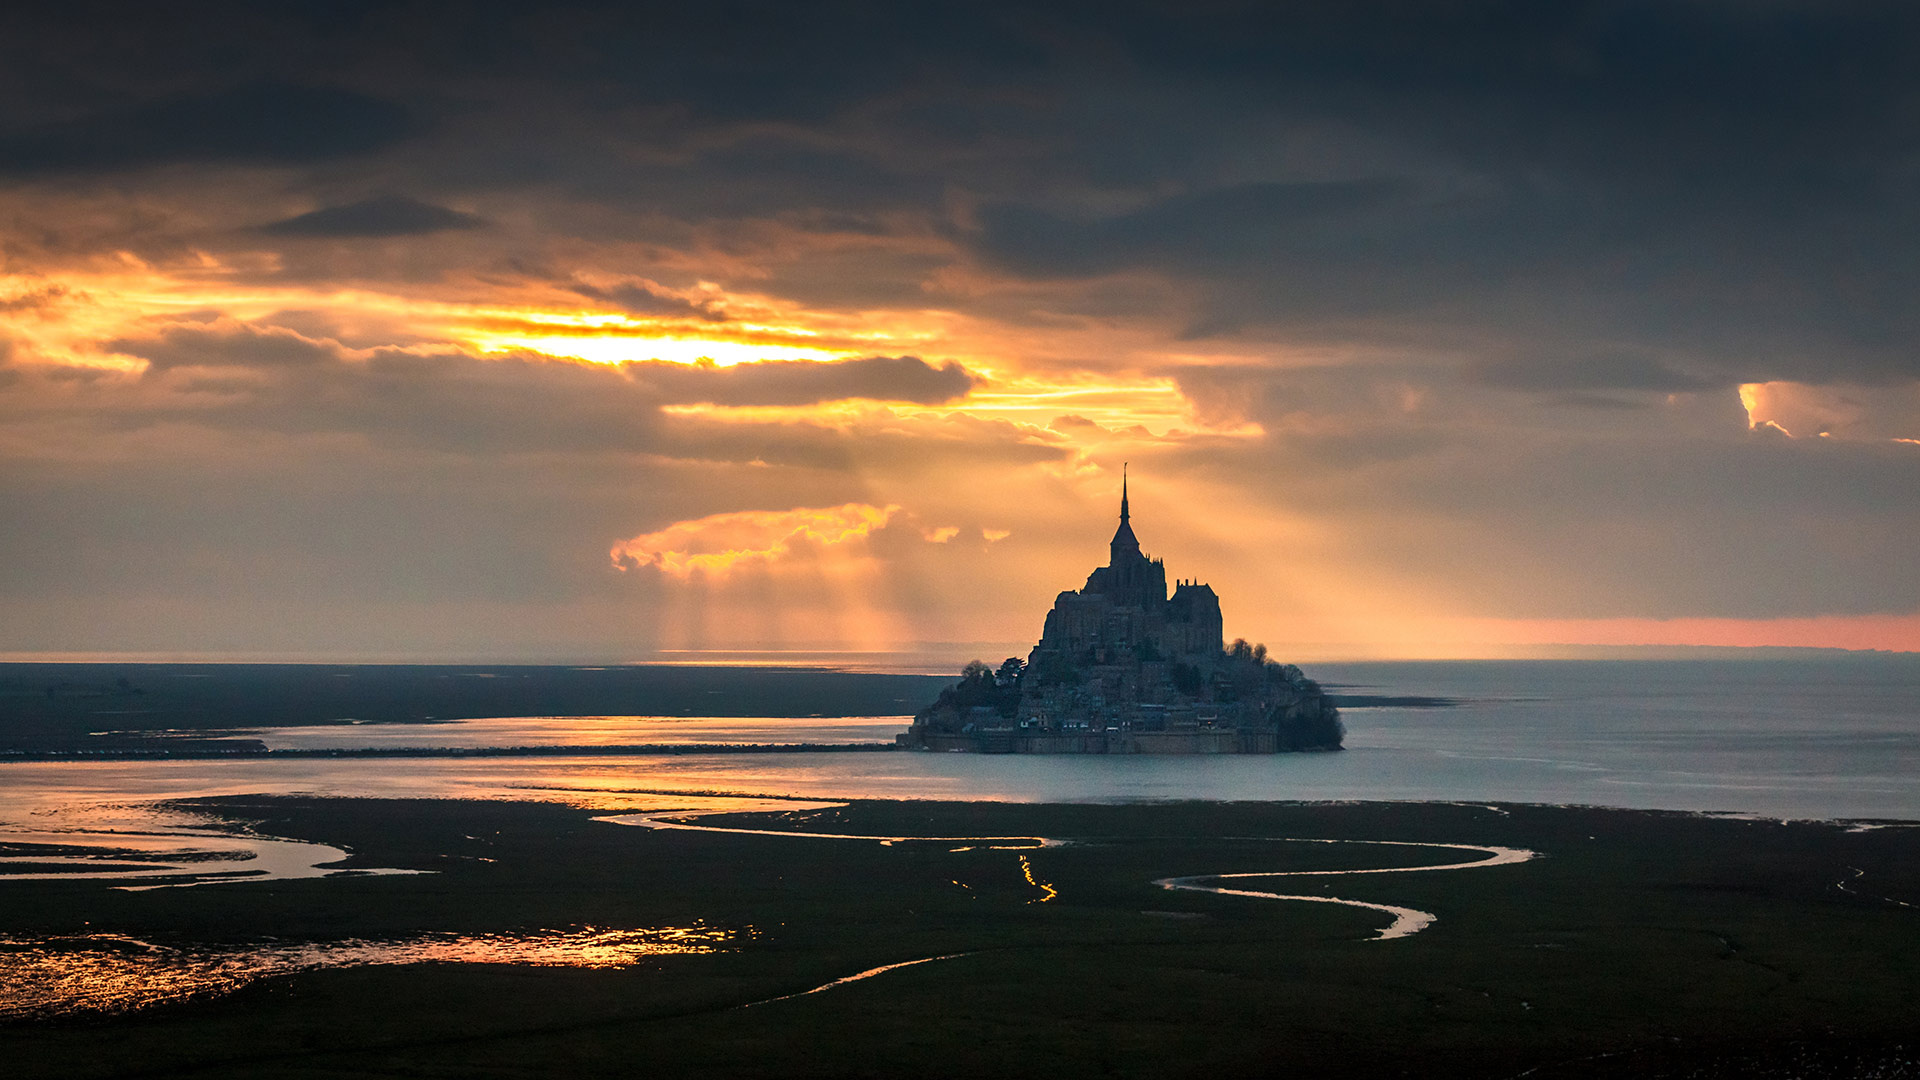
1121, 668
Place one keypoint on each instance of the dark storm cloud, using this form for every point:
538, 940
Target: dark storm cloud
1226, 227
388, 215
1737, 182
263, 123
1772, 99
771, 174
1730, 184
1594, 371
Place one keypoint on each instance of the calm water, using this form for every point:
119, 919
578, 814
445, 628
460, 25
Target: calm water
508, 731
1821, 739
1804, 739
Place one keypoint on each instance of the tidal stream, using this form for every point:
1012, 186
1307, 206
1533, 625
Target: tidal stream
1406, 921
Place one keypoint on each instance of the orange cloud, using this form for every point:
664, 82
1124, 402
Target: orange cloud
715, 544
1842, 411
1025, 375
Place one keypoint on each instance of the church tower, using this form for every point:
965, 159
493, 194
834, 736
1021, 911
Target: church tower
1125, 546
1129, 578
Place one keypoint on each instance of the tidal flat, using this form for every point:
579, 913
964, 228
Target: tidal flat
1632, 943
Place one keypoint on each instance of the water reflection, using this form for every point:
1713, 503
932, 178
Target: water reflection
108, 973
166, 859
548, 731
124, 821
156, 846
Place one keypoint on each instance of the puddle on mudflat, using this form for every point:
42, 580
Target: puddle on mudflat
149, 838
111, 973
156, 859
154, 846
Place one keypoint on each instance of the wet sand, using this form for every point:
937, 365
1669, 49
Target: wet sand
1645, 937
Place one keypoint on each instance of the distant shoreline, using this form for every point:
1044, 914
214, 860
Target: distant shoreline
251, 753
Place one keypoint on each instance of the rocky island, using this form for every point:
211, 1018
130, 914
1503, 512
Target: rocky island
1123, 669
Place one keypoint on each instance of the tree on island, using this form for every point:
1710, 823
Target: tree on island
980, 686
1300, 713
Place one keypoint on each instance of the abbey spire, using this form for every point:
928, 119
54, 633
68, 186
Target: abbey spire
1125, 547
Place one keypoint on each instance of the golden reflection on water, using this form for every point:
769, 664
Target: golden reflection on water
52, 834
1048, 891
110, 973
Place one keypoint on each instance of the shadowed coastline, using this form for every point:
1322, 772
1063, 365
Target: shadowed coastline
117, 707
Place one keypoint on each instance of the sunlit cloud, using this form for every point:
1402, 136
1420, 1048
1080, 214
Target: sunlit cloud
69, 317
1836, 411
1152, 404
714, 545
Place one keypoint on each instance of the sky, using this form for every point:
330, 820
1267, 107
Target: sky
557, 331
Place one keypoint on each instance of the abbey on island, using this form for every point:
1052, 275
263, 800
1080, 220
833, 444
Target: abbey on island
1121, 668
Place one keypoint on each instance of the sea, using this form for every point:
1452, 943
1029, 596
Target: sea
1805, 738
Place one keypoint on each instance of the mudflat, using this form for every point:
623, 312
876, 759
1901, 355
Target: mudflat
1629, 943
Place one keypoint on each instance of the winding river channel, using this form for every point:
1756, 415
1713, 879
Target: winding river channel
1406, 921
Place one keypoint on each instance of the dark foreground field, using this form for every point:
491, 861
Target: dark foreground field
1639, 944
